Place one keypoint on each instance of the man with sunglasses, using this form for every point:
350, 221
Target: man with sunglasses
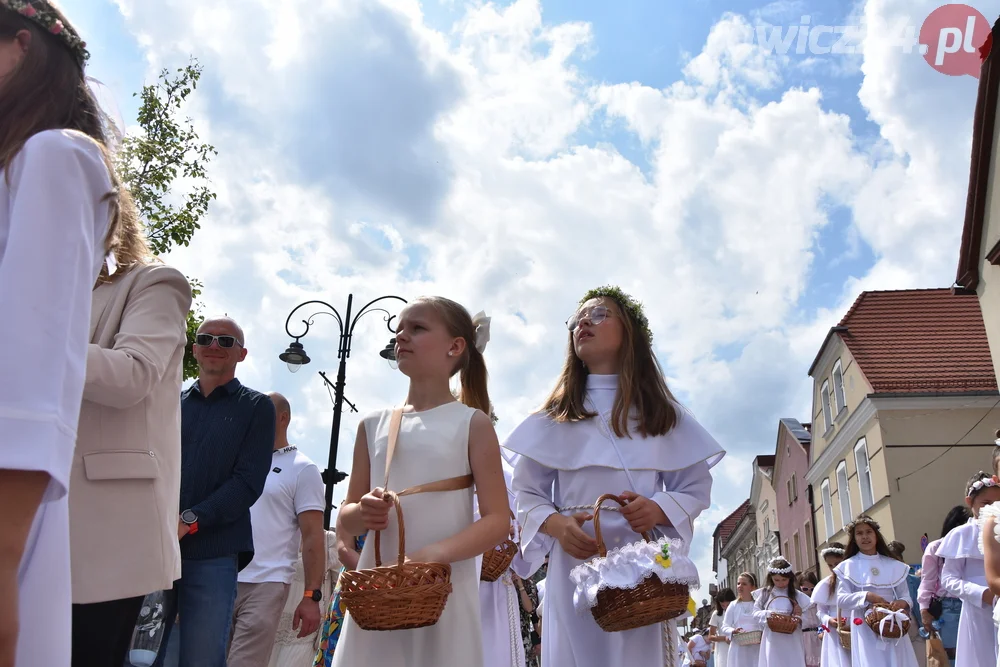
227, 434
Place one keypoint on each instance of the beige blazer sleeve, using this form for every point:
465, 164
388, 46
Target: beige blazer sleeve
124, 375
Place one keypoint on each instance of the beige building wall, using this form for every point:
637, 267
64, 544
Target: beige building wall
856, 388
988, 289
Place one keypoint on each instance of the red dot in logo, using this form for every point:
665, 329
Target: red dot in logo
950, 39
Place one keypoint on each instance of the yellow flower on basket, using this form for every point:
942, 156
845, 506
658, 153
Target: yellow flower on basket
663, 558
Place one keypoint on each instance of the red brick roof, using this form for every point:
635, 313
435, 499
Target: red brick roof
728, 525
919, 341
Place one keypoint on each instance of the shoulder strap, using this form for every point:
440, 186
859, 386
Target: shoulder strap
450, 484
394, 422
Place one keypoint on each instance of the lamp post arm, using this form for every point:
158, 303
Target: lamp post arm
308, 322
367, 308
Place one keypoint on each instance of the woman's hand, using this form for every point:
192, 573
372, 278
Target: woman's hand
569, 533
432, 553
796, 609
926, 619
375, 510
642, 513
875, 598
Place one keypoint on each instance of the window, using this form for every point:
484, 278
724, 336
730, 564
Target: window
864, 474
809, 545
788, 489
844, 493
786, 554
767, 527
825, 397
838, 387
827, 508
798, 552
795, 491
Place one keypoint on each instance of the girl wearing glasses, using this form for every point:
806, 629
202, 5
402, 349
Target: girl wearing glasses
611, 425
61, 213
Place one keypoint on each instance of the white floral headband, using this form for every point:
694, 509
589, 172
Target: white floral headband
986, 483
482, 324
831, 551
788, 569
43, 15
865, 519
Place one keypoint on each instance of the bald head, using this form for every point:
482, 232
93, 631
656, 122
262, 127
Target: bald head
281, 406
228, 323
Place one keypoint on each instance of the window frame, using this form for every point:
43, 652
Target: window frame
824, 400
862, 445
839, 398
827, 496
844, 493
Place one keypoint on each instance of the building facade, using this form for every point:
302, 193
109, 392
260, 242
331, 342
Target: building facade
794, 504
904, 400
720, 536
763, 499
740, 550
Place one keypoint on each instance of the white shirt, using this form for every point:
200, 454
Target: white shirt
293, 486
53, 223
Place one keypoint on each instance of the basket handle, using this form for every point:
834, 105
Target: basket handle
602, 550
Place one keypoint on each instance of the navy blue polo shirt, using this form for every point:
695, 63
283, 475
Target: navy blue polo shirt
227, 439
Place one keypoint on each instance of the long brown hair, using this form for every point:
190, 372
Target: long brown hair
471, 364
48, 91
880, 544
779, 563
641, 385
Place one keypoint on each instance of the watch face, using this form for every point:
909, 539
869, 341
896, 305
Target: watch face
317, 596
189, 517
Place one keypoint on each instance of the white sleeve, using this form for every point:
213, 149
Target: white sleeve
310, 492
532, 486
686, 494
48, 270
953, 581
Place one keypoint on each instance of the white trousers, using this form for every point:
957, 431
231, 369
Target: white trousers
44, 594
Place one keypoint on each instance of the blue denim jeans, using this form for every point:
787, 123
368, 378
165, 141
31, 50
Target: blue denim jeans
204, 597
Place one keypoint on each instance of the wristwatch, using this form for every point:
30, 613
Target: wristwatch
315, 596
191, 519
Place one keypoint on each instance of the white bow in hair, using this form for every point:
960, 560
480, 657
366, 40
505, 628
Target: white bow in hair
482, 324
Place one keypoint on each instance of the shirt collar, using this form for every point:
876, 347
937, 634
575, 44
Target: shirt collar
230, 387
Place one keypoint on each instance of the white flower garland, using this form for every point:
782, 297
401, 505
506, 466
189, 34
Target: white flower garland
780, 570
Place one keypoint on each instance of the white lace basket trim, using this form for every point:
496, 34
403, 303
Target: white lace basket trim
629, 566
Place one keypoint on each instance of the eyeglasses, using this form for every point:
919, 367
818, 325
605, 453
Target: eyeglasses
595, 315
205, 340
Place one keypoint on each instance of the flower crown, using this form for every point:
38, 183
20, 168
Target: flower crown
774, 569
831, 551
626, 301
984, 483
44, 15
863, 519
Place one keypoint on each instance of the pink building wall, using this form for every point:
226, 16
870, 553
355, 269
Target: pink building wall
795, 513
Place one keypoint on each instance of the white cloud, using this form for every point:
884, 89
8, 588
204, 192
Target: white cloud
363, 152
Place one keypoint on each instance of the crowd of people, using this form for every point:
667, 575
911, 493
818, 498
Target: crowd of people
119, 486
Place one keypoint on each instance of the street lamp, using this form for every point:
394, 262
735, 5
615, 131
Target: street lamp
295, 357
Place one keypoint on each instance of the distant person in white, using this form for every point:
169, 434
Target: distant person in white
291, 505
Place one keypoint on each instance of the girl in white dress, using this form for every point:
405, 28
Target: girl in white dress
989, 540
739, 618
503, 645
780, 596
698, 651
964, 576
439, 438
60, 216
812, 641
610, 426
721, 641
833, 653
870, 575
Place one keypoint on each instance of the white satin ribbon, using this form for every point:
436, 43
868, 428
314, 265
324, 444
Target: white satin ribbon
482, 324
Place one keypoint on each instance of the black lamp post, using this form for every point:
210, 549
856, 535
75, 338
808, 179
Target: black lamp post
295, 356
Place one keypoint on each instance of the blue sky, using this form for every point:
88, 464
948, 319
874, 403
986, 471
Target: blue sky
512, 155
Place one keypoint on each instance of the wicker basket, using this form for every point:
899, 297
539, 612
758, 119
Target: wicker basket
397, 597
498, 559
751, 638
843, 632
650, 602
889, 630
784, 624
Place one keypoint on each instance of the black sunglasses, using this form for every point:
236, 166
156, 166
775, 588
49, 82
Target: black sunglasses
205, 340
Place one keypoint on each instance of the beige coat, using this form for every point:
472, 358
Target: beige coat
124, 492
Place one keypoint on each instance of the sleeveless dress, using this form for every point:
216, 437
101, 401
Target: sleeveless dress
433, 445
776, 648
